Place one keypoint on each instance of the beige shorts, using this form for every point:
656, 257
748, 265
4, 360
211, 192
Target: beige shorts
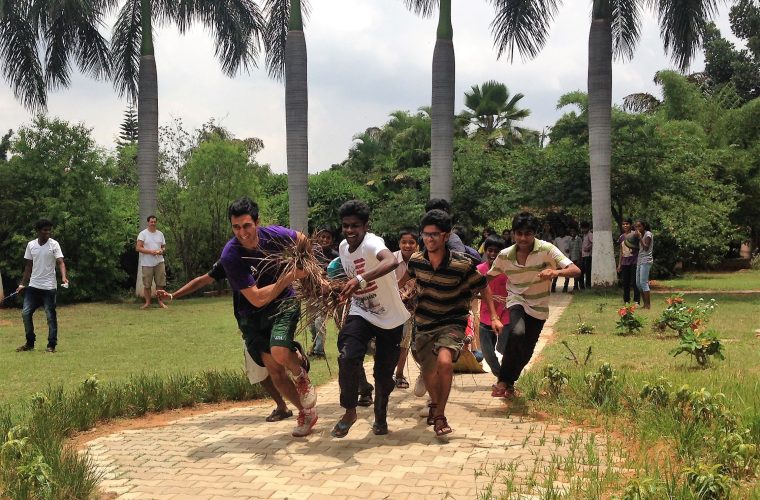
406, 337
157, 273
427, 344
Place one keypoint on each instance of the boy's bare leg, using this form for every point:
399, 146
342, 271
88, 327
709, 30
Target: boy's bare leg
444, 375
146, 295
401, 362
281, 380
288, 359
273, 393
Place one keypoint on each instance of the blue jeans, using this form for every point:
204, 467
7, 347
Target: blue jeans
642, 276
35, 298
490, 343
318, 334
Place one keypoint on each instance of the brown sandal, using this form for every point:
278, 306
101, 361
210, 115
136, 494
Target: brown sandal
431, 416
441, 426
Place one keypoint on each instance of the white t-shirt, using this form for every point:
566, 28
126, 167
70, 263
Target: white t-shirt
563, 243
379, 303
43, 259
151, 241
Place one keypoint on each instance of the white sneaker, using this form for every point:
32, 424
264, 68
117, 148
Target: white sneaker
306, 421
419, 387
306, 391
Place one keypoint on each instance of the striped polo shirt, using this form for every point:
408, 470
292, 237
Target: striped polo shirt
444, 293
524, 287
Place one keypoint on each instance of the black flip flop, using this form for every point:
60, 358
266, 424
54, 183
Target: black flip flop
278, 415
341, 429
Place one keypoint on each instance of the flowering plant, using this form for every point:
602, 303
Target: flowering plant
628, 323
683, 318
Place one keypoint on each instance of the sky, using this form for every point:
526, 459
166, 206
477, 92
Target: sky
366, 59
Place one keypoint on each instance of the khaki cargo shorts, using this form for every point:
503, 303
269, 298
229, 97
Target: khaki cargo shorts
157, 273
427, 344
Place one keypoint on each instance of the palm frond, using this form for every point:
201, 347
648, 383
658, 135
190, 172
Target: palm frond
125, 44
277, 15
424, 8
522, 23
682, 23
237, 27
640, 102
19, 60
626, 27
576, 97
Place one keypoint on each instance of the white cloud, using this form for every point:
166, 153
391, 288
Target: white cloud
367, 58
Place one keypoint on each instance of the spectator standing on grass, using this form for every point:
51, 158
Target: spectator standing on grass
39, 284
530, 265
493, 312
576, 252
217, 274
407, 246
325, 253
587, 249
506, 235
376, 311
629, 254
151, 245
447, 281
563, 243
644, 260
267, 311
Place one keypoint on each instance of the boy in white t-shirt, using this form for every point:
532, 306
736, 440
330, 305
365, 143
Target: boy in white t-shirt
376, 311
151, 245
39, 284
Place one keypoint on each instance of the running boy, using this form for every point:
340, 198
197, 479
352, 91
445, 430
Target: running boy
376, 311
493, 312
267, 313
447, 282
407, 246
530, 266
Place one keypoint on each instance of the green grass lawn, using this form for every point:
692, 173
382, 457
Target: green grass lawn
114, 341
645, 356
747, 279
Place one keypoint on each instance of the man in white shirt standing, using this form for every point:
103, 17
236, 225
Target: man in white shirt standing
39, 283
151, 245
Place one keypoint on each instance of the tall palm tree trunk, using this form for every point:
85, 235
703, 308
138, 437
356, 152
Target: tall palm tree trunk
297, 119
600, 151
147, 128
442, 104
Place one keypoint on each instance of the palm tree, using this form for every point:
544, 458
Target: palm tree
236, 26
492, 112
528, 21
615, 30
285, 44
63, 31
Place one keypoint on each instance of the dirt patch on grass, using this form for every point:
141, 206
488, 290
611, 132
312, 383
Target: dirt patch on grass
152, 420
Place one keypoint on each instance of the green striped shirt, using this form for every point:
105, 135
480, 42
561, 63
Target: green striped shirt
445, 293
524, 287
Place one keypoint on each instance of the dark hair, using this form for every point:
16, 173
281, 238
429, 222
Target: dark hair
438, 204
525, 221
151, 216
628, 220
585, 225
243, 206
494, 241
644, 223
410, 231
462, 232
489, 230
355, 207
42, 223
326, 229
438, 218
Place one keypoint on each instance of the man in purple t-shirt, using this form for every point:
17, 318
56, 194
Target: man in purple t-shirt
267, 311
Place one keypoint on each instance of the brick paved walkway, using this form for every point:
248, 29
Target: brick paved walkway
235, 453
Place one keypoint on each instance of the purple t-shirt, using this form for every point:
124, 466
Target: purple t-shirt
246, 268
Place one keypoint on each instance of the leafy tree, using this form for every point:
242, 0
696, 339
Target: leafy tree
5, 144
328, 190
235, 26
57, 172
491, 112
128, 134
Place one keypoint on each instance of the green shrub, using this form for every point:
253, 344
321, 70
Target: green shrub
681, 317
628, 323
707, 482
657, 394
603, 388
556, 379
701, 345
